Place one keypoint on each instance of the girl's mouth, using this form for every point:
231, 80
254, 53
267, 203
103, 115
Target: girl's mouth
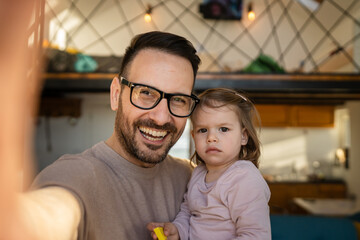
212, 150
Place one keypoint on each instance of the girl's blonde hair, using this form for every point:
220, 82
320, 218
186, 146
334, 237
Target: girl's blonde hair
248, 117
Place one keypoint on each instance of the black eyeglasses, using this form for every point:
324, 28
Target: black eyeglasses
146, 97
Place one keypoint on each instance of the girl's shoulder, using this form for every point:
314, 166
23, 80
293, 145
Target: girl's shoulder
242, 171
243, 167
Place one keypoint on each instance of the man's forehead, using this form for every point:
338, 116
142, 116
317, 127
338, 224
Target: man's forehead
161, 70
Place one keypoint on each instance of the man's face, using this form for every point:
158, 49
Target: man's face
146, 136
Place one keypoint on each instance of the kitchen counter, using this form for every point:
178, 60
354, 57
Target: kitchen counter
307, 181
339, 207
283, 193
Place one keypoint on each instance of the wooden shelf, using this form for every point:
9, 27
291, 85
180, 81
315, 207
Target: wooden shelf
261, 88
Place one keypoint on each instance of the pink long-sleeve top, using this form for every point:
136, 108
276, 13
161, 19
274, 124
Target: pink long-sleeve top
233, 207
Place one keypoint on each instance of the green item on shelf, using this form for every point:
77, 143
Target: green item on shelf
263, 64
85, 63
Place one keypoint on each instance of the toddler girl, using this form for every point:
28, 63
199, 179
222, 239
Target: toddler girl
227, 196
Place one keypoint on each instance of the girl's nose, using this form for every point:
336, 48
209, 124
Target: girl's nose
212, 138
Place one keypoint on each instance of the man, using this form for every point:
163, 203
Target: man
112, 190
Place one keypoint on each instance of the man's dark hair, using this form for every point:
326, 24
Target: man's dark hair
163, 41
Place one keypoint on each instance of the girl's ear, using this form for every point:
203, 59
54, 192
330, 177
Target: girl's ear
244, 137
192, 133
115, 94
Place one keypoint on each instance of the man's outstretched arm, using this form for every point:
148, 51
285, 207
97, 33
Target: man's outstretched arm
51, 213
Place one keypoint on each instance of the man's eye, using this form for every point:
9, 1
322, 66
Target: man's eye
179, 100
224, 129
145, 92
202, 130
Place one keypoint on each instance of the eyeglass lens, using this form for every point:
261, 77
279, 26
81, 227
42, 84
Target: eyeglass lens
146, 97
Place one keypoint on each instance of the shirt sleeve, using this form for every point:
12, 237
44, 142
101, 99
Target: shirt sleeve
73, 174
247, 195
182, 220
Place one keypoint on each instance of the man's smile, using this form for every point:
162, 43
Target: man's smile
152, 134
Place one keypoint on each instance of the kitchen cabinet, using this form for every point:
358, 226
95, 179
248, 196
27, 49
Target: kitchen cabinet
284, 193
296, 115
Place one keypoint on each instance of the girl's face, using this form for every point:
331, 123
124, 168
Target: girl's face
218, 136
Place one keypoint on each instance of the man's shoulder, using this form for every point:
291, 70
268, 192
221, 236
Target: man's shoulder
71, 165
183, 162
76, 156
87, 156
179, 164
73, 162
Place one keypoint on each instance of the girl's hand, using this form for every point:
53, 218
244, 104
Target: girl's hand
170, 230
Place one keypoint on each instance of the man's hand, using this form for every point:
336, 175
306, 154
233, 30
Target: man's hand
170, 230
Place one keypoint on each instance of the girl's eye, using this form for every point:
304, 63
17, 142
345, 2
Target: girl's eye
202, 130
224, 129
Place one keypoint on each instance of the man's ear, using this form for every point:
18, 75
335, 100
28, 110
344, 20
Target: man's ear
115, 90
244, 137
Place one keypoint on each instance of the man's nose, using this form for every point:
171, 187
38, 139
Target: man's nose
160, 114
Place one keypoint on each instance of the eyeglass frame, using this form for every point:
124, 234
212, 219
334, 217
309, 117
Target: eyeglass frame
163, 95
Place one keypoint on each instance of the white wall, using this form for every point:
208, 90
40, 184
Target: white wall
75, 135
352, 174
292, 153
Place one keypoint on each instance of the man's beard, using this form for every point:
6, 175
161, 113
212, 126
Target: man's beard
126, 133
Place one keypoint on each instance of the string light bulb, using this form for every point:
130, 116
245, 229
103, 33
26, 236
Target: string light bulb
251, 13
147, 16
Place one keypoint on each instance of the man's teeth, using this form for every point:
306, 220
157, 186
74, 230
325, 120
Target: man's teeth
152, 135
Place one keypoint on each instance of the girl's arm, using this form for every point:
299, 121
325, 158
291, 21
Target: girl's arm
182, 220
178, 229
247, 199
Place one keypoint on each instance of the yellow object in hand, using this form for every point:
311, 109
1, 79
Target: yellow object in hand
159, 231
